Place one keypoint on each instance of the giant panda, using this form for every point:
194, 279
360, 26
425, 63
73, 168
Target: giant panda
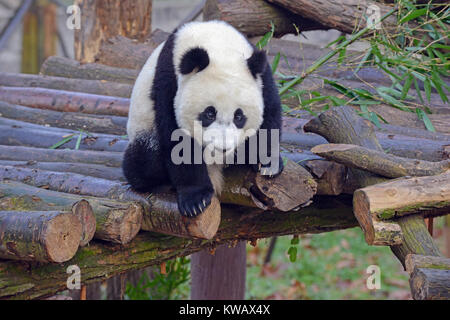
207, 74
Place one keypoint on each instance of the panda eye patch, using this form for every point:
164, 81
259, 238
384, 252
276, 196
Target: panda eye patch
239, 118
208, 116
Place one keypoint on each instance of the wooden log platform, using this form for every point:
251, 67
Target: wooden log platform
45, 236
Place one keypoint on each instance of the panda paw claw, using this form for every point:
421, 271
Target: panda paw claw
193, 200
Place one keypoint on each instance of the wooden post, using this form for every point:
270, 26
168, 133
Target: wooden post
104, 19
39, 35
219, 276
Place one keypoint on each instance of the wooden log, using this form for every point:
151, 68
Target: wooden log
117, 222
127, 53
378, 162
416, 239
162, 216
93, 170
68, 120
17, 153
101, 20
430, 284
219, 275
99, 87
79, 207
68, 68
102, 261
250, 189
46, 138
414, 261
330, 125
242, 186
253, 18
348, 16
158, 209
45, 236
429, 196
330, 176
65, 101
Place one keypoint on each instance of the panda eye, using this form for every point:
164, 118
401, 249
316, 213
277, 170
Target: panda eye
210, 113
239, 118
208, 116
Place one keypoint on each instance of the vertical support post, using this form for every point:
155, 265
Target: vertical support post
220, 276
104, 19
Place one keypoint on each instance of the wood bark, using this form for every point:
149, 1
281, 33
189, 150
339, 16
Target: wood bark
79, 207
99, 87
92, 170
430, 284
102, 261
127, 53
416, 239
253, 18
378, 162
68, 120
101, 20
414, 261
219, 275
45, 236
17, 153
116, 221
429, 196
162, 215
65, 101
68, 68
12, 135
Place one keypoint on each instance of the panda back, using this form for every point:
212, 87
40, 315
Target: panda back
141, 114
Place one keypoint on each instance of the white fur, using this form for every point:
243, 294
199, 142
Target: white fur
141, 114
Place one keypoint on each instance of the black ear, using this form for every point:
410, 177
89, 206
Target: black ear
194, 58
257, 62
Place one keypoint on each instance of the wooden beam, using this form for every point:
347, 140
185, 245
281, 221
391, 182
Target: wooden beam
378, 162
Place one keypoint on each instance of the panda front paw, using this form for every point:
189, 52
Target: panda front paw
193, 200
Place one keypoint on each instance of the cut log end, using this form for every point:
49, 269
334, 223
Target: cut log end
83, 210
278, 193
205, 225
377, 233
131, 223
62, 237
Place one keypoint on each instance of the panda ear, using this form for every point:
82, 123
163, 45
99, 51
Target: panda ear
257, 62
194, 58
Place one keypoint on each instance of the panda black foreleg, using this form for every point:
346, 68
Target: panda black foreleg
143, 164
193, 186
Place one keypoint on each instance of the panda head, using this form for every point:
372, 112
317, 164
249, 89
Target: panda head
221, 96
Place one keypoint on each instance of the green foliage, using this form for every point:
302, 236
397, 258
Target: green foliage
171, 285
328, 266
415, 56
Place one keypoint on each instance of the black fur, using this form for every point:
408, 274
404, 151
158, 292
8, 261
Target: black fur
147, 166
194, 58
257, 62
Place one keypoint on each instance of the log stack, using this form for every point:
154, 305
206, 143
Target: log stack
62, 134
